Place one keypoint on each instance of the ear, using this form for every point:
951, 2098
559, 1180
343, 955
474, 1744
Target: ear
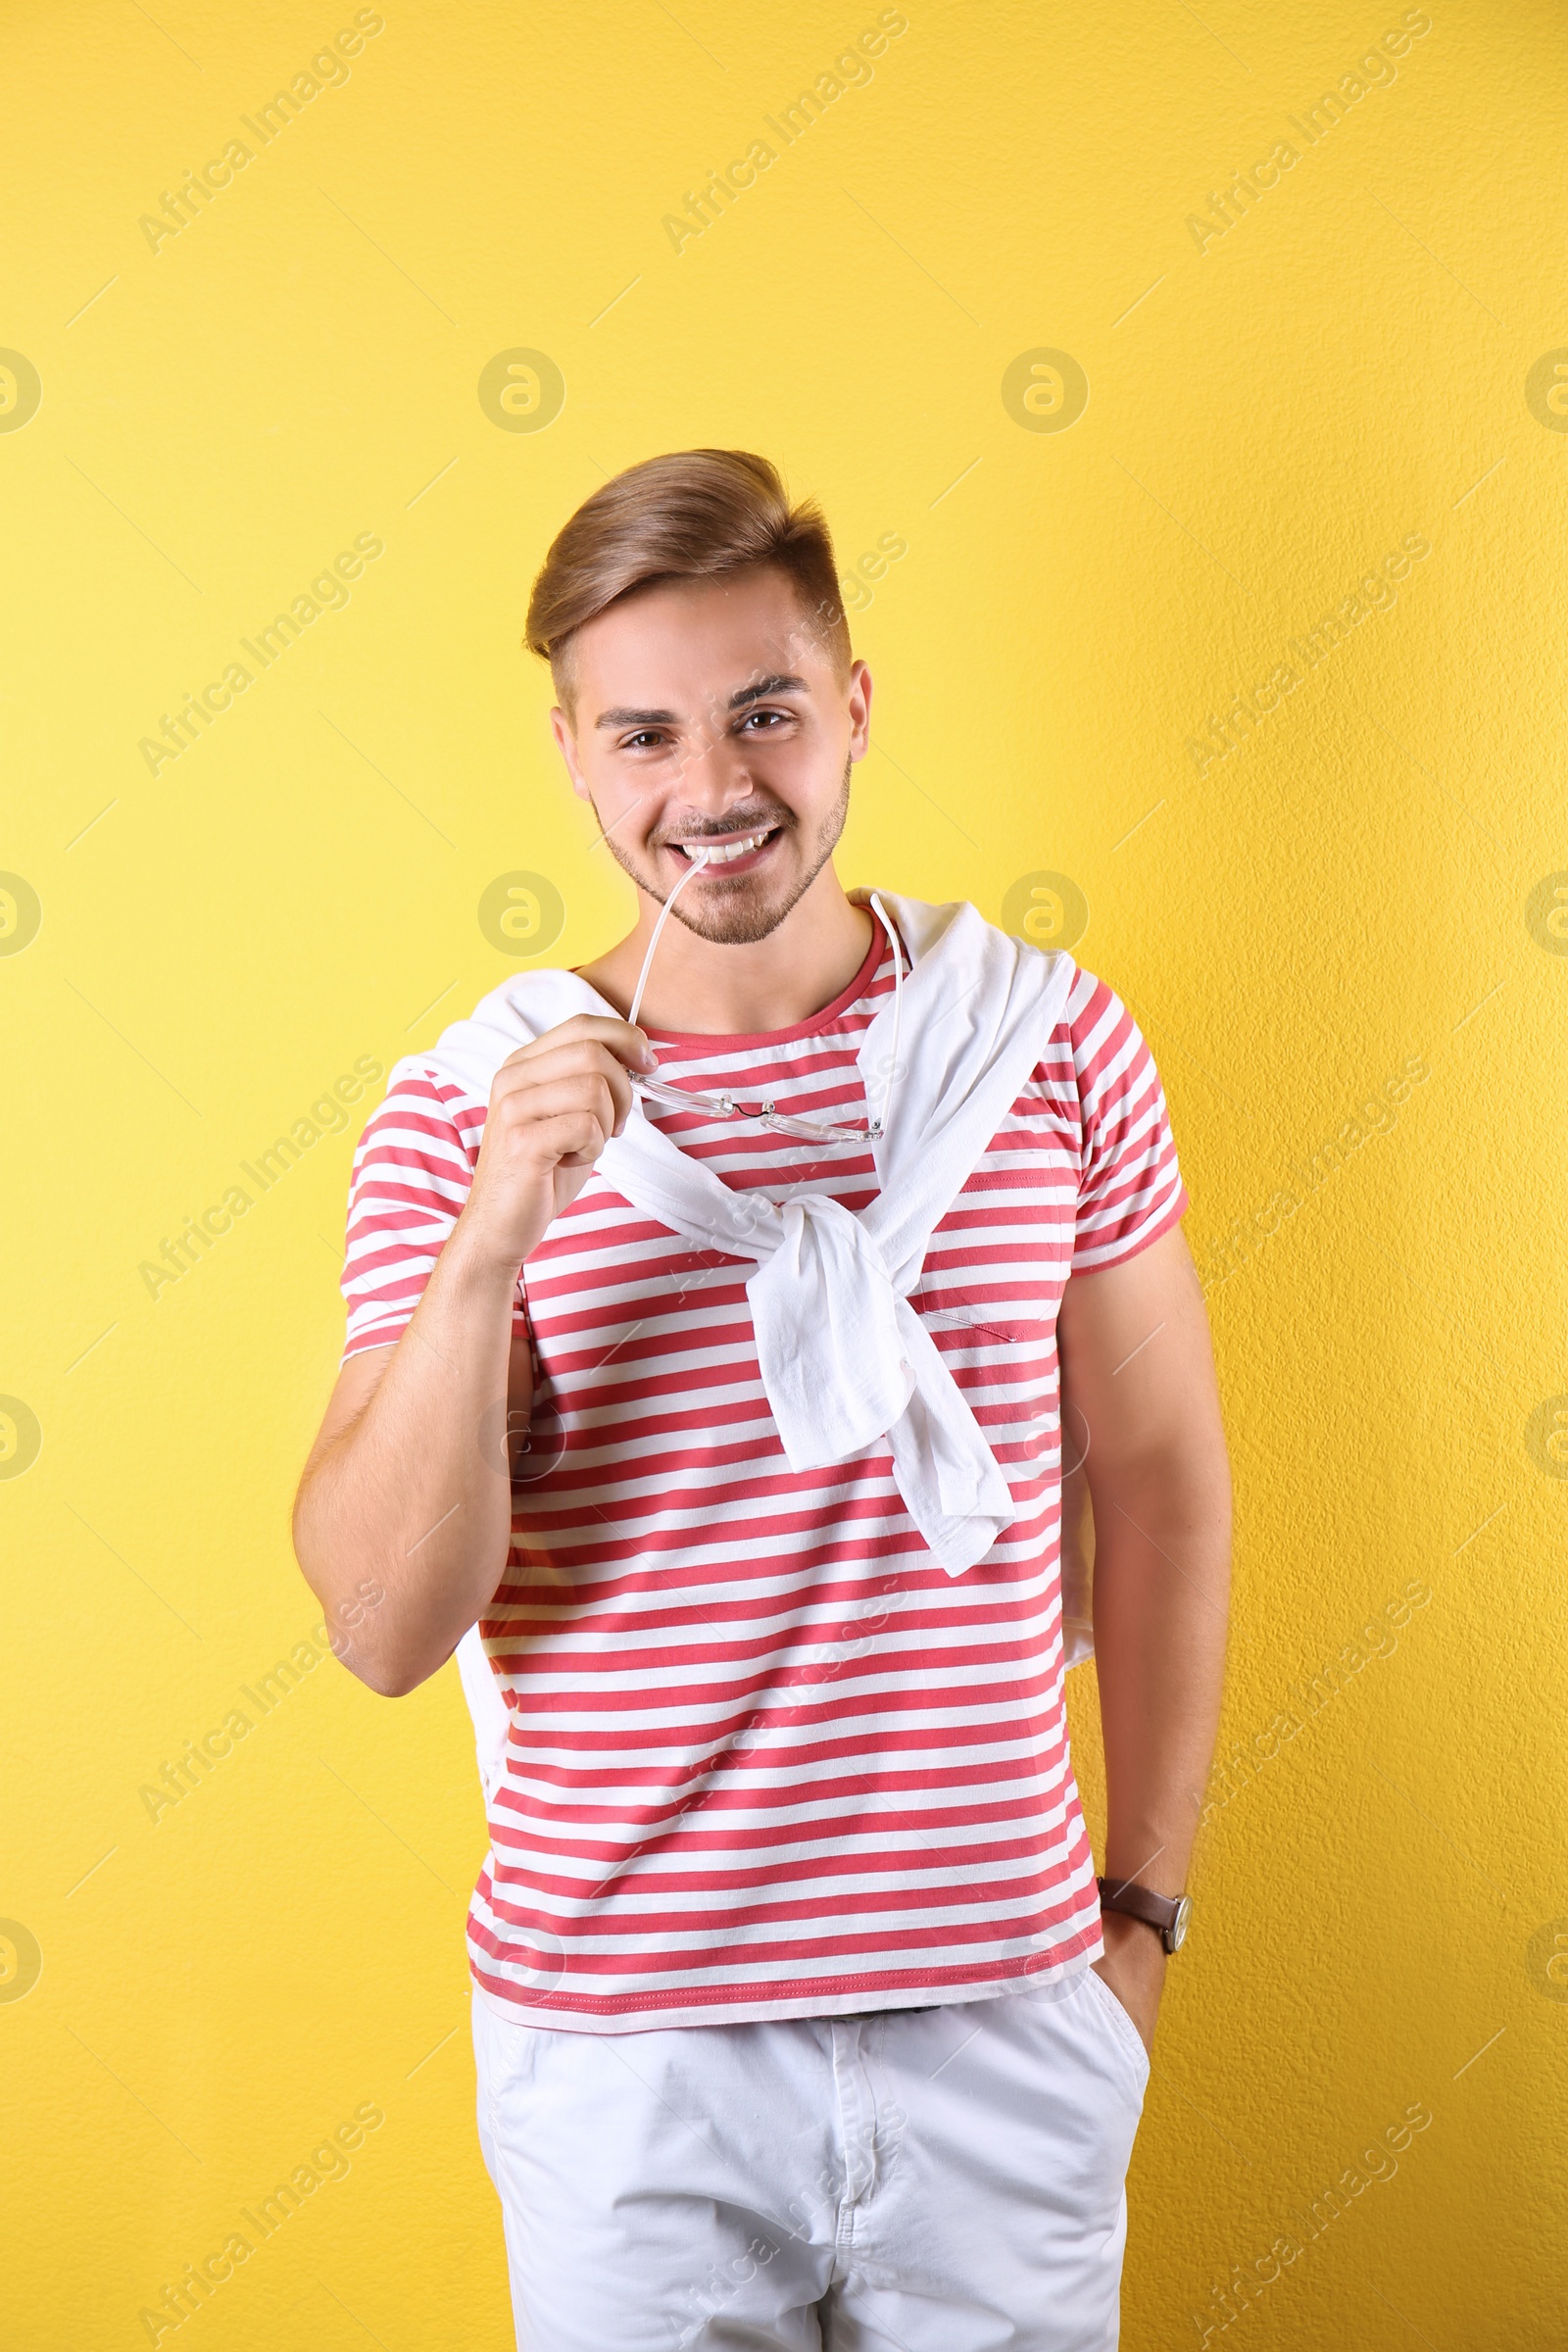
858, 700
567, 745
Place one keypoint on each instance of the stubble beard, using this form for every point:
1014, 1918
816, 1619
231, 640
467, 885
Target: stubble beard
733, 916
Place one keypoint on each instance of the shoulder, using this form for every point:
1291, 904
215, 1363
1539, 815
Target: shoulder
1096, 1022
1007, 979
1096, 1055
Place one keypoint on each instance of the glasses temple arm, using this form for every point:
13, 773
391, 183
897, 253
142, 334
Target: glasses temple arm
700, 860
897, 1009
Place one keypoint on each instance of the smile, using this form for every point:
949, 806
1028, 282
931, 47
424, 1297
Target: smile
743, 846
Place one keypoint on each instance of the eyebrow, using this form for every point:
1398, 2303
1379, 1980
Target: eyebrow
782, 682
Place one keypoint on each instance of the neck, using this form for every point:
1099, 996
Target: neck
709, 988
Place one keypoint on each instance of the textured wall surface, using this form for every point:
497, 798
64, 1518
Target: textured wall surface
1226, 647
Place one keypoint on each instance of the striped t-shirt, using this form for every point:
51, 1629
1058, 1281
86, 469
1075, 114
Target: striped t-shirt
765, 1757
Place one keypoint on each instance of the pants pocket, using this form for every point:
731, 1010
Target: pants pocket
503, 2056
1123, 2026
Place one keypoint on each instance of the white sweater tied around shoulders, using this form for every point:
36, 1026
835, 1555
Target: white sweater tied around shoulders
846, 1362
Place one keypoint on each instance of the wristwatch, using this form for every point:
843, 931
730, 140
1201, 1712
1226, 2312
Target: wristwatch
1167, 1914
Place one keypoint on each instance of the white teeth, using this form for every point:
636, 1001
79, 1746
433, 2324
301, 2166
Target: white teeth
734, 849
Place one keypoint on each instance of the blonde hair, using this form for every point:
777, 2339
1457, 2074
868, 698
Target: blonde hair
694, 514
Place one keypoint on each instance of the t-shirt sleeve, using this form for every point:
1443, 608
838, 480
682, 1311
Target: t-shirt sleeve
412, 1167
1130, 1187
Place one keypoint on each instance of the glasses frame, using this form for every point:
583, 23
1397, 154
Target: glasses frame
763, 1112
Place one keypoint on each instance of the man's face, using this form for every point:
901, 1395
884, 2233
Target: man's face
709, 711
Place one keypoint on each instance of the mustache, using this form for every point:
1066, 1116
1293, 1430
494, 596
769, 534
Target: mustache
764, 823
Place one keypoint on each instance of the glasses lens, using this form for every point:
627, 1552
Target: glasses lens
680, 1098
809, 1133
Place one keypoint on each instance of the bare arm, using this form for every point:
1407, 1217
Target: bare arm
1138, 1364
408, 1489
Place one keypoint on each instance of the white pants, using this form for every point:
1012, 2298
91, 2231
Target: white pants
946, 2180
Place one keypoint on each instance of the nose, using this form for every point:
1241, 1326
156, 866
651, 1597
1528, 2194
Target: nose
715, 773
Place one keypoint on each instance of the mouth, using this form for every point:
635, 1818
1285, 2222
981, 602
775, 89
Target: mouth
731, 853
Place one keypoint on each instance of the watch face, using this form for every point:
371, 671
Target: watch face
1178, 1932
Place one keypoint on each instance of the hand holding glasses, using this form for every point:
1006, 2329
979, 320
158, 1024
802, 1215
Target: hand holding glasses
724, 1106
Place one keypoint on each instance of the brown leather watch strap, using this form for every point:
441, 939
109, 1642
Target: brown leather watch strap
1167, 1914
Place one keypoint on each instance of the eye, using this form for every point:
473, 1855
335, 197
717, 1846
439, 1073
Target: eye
645, 737
772, 718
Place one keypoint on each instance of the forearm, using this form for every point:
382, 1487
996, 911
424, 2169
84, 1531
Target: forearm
1161, 1588
414, 1494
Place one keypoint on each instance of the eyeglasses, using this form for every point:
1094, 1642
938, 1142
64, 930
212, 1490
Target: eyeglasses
724, 1106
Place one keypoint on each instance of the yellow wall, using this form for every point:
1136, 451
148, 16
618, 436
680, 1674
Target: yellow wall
1364, 883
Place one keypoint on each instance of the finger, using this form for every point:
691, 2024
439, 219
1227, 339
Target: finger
519, 1117
582, 1060
629, 1045
566, 1065
572, 1139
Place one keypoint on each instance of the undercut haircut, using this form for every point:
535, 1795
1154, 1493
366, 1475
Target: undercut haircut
692, 514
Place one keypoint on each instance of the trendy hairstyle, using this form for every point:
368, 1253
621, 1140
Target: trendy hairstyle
694, 514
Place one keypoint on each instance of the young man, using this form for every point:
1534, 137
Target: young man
706, 1360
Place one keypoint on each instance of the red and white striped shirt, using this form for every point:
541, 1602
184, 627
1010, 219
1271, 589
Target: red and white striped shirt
765, 1757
